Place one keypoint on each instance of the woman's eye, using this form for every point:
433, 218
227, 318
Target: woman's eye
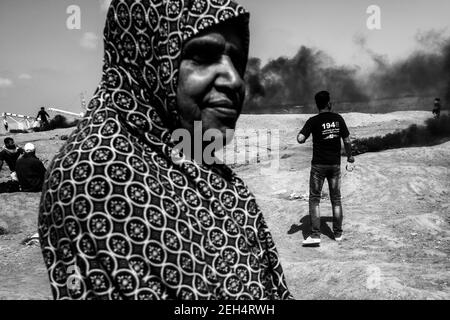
203, 58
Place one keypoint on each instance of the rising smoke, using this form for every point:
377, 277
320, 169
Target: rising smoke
446, 53
290, 81
287, 82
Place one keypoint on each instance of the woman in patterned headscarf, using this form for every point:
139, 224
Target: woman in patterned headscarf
119, 217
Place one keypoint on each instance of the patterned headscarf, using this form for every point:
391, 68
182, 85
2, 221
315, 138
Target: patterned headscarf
119, 219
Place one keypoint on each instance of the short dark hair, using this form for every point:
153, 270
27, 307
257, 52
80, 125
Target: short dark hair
322, 99
8, 140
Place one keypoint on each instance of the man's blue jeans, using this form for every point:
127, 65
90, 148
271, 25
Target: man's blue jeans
319, 173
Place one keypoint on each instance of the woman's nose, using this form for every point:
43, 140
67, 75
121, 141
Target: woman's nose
227, 74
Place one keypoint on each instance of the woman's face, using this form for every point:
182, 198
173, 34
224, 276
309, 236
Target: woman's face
211, 88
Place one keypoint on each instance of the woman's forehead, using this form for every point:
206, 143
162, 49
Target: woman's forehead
219, 34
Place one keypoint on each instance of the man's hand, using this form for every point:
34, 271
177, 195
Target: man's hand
14, 176
348, 150
301, 138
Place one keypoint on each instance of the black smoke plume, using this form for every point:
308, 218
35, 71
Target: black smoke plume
284, 83
435, 131
446, 52
293, 81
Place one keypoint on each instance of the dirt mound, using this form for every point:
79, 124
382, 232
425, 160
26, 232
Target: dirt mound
396, 218
396, 226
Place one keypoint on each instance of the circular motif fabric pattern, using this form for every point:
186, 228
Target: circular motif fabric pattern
119, 218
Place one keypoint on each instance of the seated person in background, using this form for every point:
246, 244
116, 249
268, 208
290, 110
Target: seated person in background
10, 153
9, 186
30, 170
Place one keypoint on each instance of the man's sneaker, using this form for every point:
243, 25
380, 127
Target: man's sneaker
339, 238
311, 241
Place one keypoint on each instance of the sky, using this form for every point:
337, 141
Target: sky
43, 63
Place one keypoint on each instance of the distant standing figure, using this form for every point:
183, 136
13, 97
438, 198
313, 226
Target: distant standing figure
43, 115
30, 170
5, 124
437, 108
327, 129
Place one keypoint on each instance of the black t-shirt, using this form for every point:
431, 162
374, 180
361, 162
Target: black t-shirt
10, 157
327, 129
43, 115
31, 173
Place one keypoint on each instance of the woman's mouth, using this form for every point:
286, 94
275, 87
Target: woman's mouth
223, 107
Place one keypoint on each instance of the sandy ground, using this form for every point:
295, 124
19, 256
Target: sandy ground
396, 217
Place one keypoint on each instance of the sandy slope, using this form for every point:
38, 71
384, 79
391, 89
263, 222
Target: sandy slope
396, 225
396, 207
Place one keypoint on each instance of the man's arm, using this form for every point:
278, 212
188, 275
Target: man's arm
304, 133
345, 134
301, 138
348, 149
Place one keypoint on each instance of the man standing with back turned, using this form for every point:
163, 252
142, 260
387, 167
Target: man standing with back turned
327, 129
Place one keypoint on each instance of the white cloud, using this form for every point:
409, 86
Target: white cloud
89, 41
25, 76
5, 83
104, 4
